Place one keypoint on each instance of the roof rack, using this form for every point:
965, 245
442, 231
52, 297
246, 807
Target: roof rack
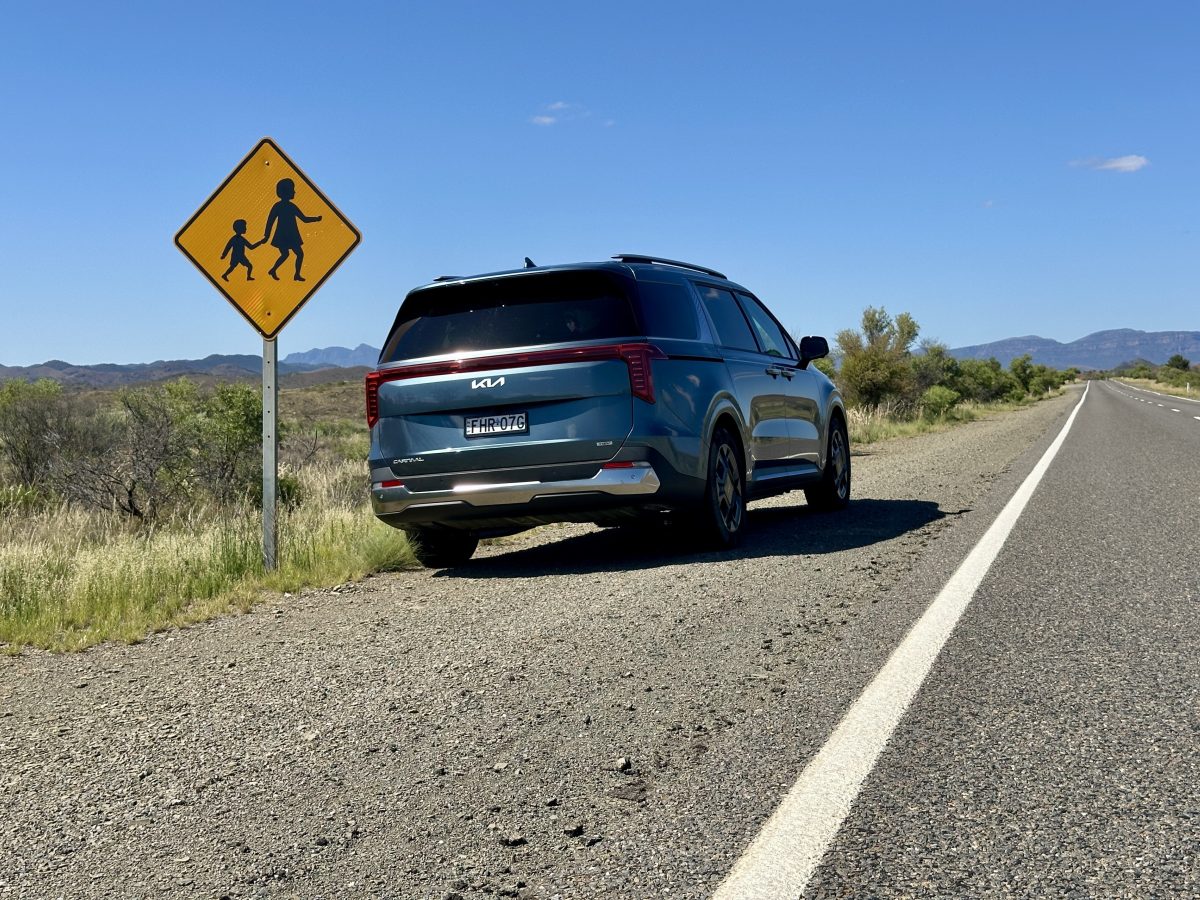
448, 278
658, 260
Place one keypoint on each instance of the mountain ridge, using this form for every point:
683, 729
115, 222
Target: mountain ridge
337, 363
1097, 351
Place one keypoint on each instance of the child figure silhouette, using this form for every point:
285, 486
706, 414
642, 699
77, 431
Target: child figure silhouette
236, 251
285, 218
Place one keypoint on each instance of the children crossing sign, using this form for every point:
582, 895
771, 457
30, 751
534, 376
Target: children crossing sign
267, 238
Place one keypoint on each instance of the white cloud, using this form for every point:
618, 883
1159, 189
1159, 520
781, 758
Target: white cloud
561, 111
1125, 163
1130, 163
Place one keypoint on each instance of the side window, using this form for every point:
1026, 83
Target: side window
667, 311
727, 318
770, 336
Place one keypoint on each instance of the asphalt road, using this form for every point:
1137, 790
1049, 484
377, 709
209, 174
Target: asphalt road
1054, 750
582, 713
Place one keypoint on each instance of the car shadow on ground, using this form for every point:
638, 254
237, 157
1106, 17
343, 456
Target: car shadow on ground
773, 531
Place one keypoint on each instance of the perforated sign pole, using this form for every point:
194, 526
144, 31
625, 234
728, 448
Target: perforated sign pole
270, 441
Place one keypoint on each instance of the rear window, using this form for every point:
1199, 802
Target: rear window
515, 311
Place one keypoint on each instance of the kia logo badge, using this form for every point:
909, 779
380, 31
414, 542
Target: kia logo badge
487, 382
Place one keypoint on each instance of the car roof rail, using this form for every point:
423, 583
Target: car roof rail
448, 278
658, 260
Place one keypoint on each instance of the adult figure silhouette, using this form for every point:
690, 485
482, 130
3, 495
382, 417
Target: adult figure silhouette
285, 218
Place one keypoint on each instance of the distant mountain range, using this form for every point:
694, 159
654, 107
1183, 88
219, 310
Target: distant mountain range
327, 364
362, 355
1102, 350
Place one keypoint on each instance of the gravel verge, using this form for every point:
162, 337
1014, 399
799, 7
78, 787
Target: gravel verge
577, 713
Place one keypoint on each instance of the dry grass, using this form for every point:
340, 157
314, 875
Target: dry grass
71, 578
891, 420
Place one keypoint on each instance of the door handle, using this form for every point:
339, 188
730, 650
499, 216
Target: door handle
789, 374
774, 371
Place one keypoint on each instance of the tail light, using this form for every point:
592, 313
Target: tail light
373, 380
637, 357
641, 373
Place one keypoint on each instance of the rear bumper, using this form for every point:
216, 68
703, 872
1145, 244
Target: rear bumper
463, 500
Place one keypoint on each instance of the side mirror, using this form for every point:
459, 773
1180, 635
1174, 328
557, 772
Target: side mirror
813, 347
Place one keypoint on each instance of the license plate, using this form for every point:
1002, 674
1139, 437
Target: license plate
483, 426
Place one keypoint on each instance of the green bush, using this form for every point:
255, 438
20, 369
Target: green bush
937, 401
30, 413
875, 362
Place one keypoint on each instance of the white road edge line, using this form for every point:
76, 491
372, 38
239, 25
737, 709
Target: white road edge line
783, 857
1159, 393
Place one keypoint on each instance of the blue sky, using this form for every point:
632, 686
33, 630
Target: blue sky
994, 169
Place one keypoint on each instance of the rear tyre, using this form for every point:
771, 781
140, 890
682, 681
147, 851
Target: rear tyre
441, 548
833, 492
723, 513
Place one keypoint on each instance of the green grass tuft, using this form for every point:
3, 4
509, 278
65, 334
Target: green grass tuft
71, 578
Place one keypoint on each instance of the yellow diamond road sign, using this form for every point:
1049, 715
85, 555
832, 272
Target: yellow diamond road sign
267, 238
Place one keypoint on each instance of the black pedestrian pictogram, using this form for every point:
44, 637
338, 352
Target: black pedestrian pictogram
285, 218
236, 251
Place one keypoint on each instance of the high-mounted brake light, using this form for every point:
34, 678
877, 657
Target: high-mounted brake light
636, 356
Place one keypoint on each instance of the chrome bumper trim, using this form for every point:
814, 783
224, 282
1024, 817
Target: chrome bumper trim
637, 480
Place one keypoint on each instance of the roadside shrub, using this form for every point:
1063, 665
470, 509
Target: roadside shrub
937, 401
875, 362
933, 366
29, 415
228, 426
134, 458
984, 381
825, 364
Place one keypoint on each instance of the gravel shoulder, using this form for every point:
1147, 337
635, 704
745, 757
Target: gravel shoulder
577, 713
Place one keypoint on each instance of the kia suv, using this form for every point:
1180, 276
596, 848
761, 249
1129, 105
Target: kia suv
607, 392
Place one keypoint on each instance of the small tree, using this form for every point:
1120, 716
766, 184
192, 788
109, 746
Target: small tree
141, 457
1179, 362
933, 365
825, 364
1022, 369
30, 413
229, 428
874, 364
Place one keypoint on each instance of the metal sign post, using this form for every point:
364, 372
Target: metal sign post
270, 442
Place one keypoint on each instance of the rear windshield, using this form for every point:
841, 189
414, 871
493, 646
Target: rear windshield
516, 311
